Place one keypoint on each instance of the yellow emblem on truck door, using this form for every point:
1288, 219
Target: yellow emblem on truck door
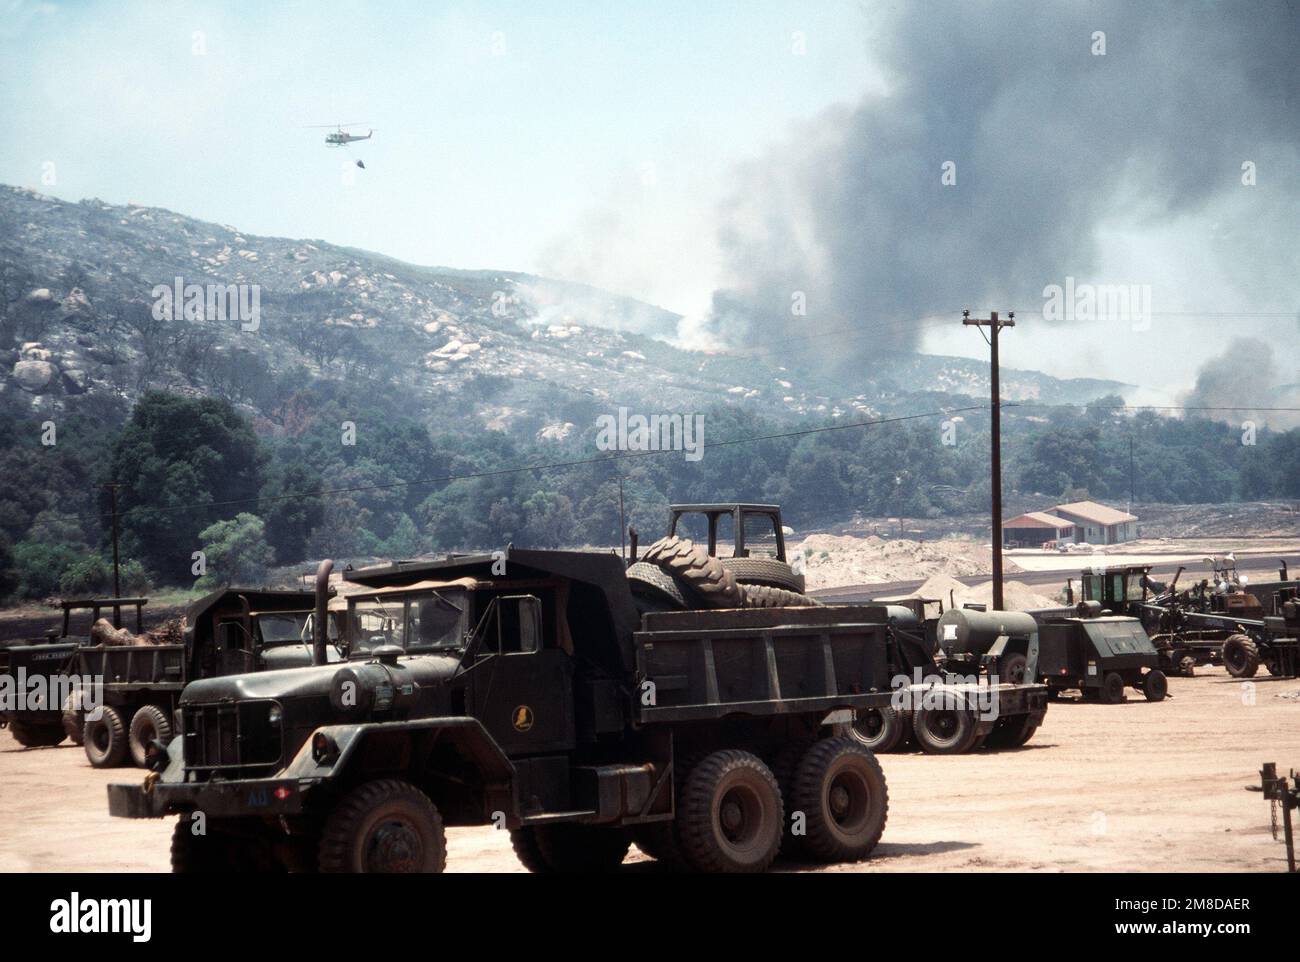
523, 718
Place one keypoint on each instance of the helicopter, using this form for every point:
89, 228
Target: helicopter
340, 137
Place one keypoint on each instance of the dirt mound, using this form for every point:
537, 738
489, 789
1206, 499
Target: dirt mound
831, 561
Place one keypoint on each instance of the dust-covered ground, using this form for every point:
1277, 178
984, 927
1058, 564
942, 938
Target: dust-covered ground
1131, 788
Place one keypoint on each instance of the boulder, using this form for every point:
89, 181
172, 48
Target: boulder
34, 376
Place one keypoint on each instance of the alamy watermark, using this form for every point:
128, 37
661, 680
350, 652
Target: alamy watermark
946, 692
20, 692
209, 302
1098, 302
655, 432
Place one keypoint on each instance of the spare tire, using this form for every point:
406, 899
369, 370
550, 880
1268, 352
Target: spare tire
695, 568
761, 596
651, 581
764, 571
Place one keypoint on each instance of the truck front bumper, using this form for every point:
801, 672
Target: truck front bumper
256, 797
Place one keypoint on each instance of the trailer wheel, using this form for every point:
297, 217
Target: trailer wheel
36, 735
881, 730
105, 738
1012, 731
148, 724
73, 717
1013, 667
841, 790
572, 848
1112, 689
1240, 656
945, 730
384, 826
1155, 685
731, 814
684, 559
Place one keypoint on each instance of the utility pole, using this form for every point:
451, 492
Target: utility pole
117, 575
1131, 484
995, 325
622, 524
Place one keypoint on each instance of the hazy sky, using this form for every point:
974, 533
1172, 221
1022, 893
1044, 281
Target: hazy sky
606, 142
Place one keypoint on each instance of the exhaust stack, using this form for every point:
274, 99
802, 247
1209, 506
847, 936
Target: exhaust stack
320, 623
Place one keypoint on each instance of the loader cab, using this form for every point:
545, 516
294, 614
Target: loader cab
731, 529
1113, 588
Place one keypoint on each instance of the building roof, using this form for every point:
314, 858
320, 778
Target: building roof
1038, 519
1094, 512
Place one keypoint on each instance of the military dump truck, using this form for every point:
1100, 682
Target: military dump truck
45, 666
1223, 622
230, 631
529, 690
1100, 655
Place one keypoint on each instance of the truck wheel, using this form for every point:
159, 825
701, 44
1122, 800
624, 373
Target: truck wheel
881, 730
1155, 685
730, 814
35, 735
761, 596
528, 851
1240, 656
74, 717
1012, 669
105, 739
218, 850
1012, 731
148, 724
570, 848
384, 826
713, 584
1112, 689
765, 571
944, 730
841, 790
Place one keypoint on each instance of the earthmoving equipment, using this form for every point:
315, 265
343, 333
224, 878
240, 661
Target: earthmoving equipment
45, 666
1283, 798
543, 700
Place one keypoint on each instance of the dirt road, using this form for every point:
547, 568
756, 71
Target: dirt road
1131, 788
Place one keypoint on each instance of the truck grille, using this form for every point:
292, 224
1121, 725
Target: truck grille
231, 737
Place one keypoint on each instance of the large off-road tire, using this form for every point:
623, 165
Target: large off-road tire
651, 581
1011, 731
765, 571
148, 724
384, 826
840, 789
36, 735
731, 817
707, 580
1240, 656
1012, 669
761, 596
528, 851
1112, 689
945, 729
881, 730
570, 848
105, 739
1155, 686
74, 717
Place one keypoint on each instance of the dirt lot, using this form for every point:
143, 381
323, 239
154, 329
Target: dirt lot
1130, 788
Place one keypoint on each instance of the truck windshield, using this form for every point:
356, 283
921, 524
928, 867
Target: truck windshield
285, 628
426, 621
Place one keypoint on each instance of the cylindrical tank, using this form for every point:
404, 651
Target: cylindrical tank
965, 631
901, 615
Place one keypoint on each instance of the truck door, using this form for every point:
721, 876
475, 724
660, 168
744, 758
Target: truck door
521, 683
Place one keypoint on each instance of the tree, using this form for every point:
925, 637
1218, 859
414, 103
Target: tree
235, 551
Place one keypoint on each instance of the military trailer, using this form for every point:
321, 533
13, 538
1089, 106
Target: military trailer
230, 631
527, 691
46, 666
1100, 655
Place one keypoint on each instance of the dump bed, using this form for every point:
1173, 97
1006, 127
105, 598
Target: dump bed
711, 664
158, 667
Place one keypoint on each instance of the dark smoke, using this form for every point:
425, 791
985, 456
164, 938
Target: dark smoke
1049, 141
1246, 379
